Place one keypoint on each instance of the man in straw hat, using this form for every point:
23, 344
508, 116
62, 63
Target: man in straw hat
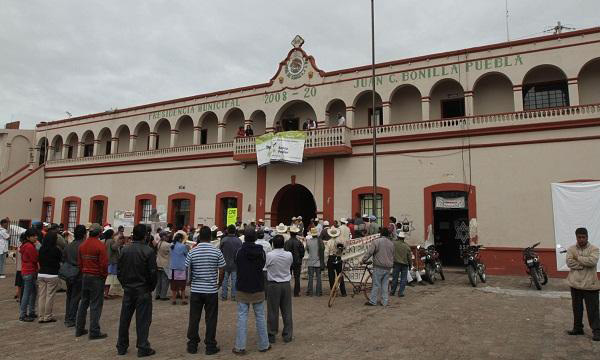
316, 255
333, 252
295, 246
402, 262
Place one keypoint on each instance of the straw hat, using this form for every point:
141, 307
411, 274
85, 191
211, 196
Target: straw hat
282, 229
333, 232
344, 220
214, 228
219, 233
293, 218
299, 218
325, 223
294, 229
314, 231
261, 221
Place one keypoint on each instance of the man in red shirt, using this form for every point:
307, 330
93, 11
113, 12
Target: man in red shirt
93, 265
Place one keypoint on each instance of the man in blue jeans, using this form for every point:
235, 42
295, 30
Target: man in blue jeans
402, 262
229, 246
250, 260
382, 251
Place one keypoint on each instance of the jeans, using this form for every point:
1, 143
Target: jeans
279, 297
210, 303
314, 271
295, 270
402, 271
46, 290
72, 302
29, 296
591, 304
380, 284
2, 261
334, 268
242, 325
229, 275
141, 304
92, 296
162, 285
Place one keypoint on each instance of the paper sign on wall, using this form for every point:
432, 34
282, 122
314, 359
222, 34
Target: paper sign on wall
231, 216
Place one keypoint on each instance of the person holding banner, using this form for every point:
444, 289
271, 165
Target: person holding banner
582, 260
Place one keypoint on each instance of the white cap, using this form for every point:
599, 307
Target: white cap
343, 220
326, 223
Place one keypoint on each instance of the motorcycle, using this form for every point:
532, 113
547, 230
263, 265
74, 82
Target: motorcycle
534, 267
431, 261
475, 268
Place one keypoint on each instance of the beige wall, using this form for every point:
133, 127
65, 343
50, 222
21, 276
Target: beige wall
406, 105
589, 83
493, 94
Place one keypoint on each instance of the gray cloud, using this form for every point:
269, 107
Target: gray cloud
91, 56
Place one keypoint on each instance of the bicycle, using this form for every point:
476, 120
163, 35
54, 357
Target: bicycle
364, 285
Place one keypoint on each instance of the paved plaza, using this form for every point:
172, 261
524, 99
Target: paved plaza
503, 319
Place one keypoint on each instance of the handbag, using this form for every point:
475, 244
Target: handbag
68, 271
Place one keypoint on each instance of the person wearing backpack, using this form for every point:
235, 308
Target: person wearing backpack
73, 281
295, 246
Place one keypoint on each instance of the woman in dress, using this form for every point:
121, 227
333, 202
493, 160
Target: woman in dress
179, 252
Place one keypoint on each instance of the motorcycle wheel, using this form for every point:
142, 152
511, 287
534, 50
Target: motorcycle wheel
535, 276
481, 272
544, 277
334, 290
429, 273
367, 286
472, 275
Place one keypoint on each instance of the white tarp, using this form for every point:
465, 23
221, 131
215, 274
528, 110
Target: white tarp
575, 205
287, 146
450, 203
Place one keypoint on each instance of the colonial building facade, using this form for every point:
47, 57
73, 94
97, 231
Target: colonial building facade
477, 133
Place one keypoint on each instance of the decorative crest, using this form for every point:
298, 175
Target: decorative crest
297, 42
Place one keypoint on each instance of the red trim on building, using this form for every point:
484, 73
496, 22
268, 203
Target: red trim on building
368, 190
261, 192
181, 196
328, 189
138, 207
509, 261
52, 202
92, 213
144, 170
219, 207
64, 219
579, 180
428, 202
14, 174
20, 179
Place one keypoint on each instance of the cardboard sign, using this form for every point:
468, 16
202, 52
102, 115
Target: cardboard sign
231, 216
287, 146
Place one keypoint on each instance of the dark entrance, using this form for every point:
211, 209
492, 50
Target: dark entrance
98, 211
226, 203
293, 200
181, 212
453, 108
290, 124
450, 225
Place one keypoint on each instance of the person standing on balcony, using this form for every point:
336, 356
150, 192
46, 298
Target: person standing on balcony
241, 133
249, 131
341, 120
229, 246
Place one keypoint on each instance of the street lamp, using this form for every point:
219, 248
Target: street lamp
374, 112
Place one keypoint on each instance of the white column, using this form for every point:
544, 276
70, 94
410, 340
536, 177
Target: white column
152, 143
573, 92
327, 120
173, 139
50, 153
518, 97
386, 109
96, 145
197, 135
425, 108
220, 132
80, 147
114, 145
65, 151
132, 141
469, 109
350, 116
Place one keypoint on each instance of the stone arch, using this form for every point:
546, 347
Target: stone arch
447, 99
334, 107
185, 128
142, 136
259, 122
123, 139
72, 144
493, 94
405, 104
589, 82
545, 86
363, 104
293, 114
42, 147
19, 153
104, 141
162, 129
209, 122
233, 119
57, 146
87, 139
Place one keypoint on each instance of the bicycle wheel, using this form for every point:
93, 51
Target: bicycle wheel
334, 289
367, 286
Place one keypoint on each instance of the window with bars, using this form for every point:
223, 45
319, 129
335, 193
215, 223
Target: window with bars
146, 206
366, 206
47, 212
181, 212
543, 96
71, 215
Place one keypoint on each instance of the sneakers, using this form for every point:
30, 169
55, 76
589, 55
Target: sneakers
575, 332
238, 352
192, 349
265, 350
212, 351
26, 319
98, 336
146, 352
80, 333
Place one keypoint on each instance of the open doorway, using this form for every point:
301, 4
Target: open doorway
181, 212
291, 201
450, 225
452, 108
98, 211
226, 203
290, 124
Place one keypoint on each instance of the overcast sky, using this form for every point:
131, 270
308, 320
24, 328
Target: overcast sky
90, 56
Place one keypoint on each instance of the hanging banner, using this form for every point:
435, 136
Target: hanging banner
287, 146
450, 203
123, 218
231, 216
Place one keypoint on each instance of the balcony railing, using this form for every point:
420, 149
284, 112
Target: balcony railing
148, 154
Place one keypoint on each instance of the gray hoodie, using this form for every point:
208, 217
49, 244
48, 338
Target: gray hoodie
382, 251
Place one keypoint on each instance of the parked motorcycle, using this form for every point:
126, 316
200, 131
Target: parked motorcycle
534, 267
431, 261
475, 268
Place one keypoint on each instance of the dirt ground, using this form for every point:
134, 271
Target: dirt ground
503, 319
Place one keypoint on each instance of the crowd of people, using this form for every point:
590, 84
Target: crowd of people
251, 264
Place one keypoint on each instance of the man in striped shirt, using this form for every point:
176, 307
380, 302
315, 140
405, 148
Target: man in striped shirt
206, 265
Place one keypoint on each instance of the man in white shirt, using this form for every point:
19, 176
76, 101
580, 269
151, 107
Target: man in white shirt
279, 293
260, 234
341, 120
4, 241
